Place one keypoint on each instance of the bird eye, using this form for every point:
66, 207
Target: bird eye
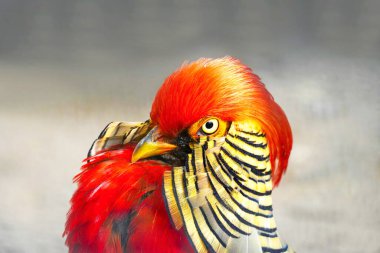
210, 126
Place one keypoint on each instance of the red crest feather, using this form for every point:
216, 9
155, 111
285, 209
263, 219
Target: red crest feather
227, 89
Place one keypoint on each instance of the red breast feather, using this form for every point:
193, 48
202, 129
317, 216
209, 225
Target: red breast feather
119, 205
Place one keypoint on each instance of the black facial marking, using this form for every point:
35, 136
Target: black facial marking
177, 157
183, 141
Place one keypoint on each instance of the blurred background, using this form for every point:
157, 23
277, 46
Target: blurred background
67, 68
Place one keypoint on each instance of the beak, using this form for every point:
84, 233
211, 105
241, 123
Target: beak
151, 146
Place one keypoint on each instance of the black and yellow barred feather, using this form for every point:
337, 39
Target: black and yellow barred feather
222, 196
119, 133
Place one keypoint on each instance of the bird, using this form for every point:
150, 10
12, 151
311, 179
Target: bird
197, 176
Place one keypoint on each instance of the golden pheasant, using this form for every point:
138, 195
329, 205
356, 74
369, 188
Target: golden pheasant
196, 177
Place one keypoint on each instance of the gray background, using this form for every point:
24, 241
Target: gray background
67, 68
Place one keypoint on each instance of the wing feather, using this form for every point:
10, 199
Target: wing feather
118, 133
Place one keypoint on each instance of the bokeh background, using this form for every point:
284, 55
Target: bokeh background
68, 67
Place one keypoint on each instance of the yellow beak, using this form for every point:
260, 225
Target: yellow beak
150, 146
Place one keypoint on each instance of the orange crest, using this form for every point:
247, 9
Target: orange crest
227, 89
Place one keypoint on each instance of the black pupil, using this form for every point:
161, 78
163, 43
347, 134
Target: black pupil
209, 125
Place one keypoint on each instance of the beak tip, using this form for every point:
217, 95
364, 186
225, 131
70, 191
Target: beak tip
135, 157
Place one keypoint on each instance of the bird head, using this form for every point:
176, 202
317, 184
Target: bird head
206, 99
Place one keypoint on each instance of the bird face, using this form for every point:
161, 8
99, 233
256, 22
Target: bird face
174, 150
203, 99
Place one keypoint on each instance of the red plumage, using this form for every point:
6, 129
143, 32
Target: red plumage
113, 191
